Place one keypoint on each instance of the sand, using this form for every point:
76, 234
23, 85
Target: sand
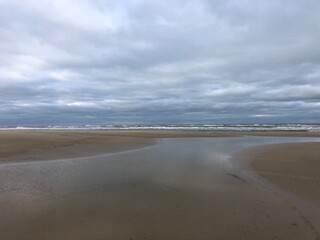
150, 197
17, 146
290, 171
294, 167
294, 170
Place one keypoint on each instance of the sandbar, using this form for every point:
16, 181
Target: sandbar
37, 145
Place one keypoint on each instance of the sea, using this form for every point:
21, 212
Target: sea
179, 127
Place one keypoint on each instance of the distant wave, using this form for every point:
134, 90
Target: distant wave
190, 127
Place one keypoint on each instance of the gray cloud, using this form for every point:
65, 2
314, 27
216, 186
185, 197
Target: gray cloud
159, 62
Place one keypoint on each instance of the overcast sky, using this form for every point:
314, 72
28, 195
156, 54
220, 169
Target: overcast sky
148, 61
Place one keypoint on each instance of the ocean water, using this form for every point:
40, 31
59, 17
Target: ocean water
182, 127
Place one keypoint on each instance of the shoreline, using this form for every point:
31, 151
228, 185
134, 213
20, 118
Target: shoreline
37, 145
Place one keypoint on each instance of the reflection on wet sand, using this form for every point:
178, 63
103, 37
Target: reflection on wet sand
177, 189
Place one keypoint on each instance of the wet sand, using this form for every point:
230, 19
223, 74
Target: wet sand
18, 146
294, 167
47, 145
174, 189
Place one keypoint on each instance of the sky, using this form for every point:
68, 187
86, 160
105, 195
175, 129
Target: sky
168, 61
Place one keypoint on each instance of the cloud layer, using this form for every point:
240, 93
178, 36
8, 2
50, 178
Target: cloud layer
144, 61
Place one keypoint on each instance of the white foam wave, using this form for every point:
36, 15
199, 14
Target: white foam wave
202, 127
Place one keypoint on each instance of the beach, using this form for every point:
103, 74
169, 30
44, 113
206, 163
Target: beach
48, 145
294, 167
160, 185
